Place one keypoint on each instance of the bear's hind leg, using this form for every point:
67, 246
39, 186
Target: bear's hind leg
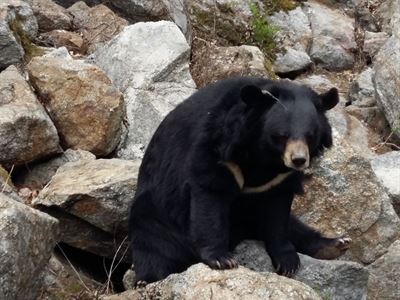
310, 242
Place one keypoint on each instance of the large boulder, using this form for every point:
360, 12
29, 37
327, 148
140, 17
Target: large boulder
386, 78
333, 279
27, 239
201, 283
344, 197
91, 200
149, 63
50, 15
17, 23
97, 24
387, 169
57, 38
384, 280
333, 37
26, 131
82, 102
211, 63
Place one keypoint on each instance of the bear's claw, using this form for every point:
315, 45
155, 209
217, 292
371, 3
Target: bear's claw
140, 284
222, 263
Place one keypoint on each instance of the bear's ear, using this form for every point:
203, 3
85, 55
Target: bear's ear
330, 99
254, 96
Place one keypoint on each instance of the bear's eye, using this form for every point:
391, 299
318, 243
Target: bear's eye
280, 139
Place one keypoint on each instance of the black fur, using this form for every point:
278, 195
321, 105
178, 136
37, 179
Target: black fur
189, 208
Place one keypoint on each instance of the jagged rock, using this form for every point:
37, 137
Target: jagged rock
345, 198
16, 21
373, 41
332, 279
292, 63
82, 102
388, 17
226, 21
153, 73
294, 29
384, 280
26, 131
201, 283
333, 37
211, 63
387, 169
50, 15
27, 238
97, 24
156, 10
386, 80
37, 175
61, 38
362, 92
91, 199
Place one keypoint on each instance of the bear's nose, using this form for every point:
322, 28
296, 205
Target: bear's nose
299, 161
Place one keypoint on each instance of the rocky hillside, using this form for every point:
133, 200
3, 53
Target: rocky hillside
83, 86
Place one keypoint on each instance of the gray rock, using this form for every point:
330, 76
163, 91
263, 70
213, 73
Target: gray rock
345, 198
16, 19
153, 74
387, 169
27, 238
332, 279
26, 131
91, 199
384, 280
388, 16
292, 62
154, 10
319, 83
333, 37
210, 63
50, 15
294, 29
362, 92
386, 80
373, 41
37, 175
201, 283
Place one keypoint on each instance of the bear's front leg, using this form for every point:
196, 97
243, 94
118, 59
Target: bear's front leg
273, 218
209, 228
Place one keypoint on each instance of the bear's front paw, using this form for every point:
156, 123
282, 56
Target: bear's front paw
333, 248
221, 262
286, 263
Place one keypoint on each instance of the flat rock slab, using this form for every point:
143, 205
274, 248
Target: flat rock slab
149, 63
81, 100
91, 200
201, 283
333, 279
27, 239
26, 131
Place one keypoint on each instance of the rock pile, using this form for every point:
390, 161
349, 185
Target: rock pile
83, 86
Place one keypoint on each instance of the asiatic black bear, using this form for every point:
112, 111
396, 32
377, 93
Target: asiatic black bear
224, 166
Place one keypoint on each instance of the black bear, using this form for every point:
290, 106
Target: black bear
224, 166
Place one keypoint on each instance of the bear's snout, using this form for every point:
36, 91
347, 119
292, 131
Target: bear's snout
296, 155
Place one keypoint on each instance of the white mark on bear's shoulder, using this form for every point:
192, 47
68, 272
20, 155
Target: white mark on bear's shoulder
238, 175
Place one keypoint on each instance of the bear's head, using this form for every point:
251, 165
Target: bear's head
294, 129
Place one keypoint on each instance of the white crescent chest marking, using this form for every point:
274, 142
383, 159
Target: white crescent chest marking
237, 173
